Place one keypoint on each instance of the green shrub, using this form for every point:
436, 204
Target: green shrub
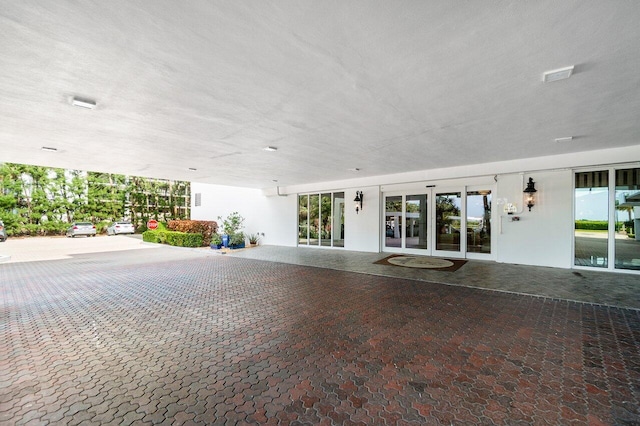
236, 239
232, 224
101, 227
155, 236
173, 238
183, 239
592, 225
205, 228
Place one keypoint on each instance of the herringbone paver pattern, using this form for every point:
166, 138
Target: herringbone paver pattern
221, 340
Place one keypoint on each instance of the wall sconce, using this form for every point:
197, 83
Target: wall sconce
358, 200
530, 193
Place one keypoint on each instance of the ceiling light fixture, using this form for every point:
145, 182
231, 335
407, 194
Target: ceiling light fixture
83, 103
565, 139
559, 74
192, 169
49, 149
270, 148
355, 169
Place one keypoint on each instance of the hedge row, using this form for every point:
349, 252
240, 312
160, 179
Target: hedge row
601, 225
592, 225
205, 228
173, 238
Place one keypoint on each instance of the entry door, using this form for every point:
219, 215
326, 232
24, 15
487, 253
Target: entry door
407, 223
462, 222
449, 223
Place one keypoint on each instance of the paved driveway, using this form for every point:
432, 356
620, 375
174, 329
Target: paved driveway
177, 336
55, 248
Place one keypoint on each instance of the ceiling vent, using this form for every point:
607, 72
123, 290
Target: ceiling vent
559, 74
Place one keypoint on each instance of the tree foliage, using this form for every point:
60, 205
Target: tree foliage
36, 200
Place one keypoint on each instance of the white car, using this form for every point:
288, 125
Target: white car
120, 228
81, 228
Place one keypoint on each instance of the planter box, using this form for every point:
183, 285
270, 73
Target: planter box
216, 246
236, 246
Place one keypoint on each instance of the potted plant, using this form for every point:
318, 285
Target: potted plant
230, 226
237, 240
216, 241
254, 239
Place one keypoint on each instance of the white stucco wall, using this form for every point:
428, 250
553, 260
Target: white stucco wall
273, 216
542, 237
362, 229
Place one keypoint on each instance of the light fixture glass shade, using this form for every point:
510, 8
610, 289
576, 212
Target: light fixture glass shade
530, 191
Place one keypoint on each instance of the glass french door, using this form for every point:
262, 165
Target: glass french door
606, 218
406, 223
321, 219
441, 222
449, 231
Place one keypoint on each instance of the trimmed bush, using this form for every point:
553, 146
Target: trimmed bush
592, 225
173, 238
183, 239
205, 228
155, 236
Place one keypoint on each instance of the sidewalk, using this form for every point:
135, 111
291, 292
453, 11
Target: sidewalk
30, 249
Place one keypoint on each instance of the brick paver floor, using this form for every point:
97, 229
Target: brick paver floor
129, 338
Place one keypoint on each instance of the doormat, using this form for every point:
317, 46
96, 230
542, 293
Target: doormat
422, 262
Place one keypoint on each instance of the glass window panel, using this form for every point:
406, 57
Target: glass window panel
448, 221
416, 221
303, 219
314, 219
325, 220
338, 219
393, 221
627, 240
479, 221
592, 219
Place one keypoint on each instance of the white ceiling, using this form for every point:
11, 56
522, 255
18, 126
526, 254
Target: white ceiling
383, 86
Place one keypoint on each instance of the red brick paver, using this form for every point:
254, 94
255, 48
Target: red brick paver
215, 339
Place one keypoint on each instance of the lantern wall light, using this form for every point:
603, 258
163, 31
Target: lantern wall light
358, 201
530, 192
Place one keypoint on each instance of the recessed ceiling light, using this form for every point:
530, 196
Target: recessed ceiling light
355, 169
559, 74
49, 149
270, 148
83, 103
565, 139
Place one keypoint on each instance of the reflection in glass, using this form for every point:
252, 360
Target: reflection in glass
479, 221
448, 221
314, 219
303, 219
592, 219
325, 220
338, 219
321, 219
416, 221
627, 240
393, 221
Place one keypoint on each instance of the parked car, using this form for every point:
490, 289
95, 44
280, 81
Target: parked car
81, 228
3, 233
120, 228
